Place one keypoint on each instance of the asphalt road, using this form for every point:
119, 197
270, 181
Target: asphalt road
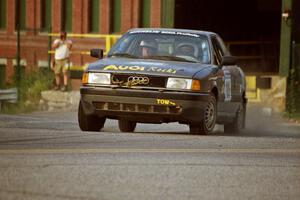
46, 156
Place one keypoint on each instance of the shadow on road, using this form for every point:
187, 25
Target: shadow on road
259, 124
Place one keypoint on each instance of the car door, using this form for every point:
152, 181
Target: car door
237, 82
230, 87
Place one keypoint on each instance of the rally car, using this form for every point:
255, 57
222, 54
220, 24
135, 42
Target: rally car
161, 76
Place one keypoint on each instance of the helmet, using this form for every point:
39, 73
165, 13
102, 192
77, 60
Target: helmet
150, 44
193, 47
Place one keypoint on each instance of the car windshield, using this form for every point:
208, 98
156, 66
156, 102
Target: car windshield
163, 45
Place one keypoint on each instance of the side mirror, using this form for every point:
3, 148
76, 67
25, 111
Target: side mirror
97, 53
229, 60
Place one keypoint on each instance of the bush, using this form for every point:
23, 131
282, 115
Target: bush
293, 89
30, 87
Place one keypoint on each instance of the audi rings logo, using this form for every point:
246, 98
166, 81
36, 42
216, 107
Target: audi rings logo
138, 80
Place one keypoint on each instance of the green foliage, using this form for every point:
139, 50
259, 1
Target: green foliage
291, 95
30, 87
293, 89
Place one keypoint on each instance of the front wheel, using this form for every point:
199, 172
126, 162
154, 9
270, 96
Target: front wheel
126, 126
89, 122
208, 123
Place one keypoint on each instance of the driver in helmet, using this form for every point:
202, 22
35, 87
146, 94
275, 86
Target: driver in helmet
149, 48
186, 49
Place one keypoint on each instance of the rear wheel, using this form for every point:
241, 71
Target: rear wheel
126, 126
89, 122
238, 123
208, 123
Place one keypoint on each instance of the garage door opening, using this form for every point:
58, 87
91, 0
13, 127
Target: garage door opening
250, 28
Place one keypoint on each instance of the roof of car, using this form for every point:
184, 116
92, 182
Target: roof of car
199, 32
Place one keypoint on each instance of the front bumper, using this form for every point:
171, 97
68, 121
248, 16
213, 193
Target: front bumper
144, 105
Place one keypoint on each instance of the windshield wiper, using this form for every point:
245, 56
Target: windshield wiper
126, 55
171, 58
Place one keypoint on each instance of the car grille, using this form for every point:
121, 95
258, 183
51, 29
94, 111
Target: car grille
145, 80
141, 108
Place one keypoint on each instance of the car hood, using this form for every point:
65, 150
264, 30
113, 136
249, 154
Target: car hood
147, 66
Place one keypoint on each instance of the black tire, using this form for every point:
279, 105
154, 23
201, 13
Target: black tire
238, 122
126, 126
89, 122
208, 123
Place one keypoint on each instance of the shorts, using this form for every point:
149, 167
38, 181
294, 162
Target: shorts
61, 66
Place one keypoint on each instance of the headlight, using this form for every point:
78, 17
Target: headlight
96, 78
179, 83
182, 83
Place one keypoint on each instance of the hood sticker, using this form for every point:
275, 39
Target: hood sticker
139, 68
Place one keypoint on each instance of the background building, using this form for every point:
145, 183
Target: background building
255, 30
38, 17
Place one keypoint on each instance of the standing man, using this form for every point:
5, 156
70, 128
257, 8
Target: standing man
62, 47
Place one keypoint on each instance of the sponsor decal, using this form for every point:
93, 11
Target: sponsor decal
165, 102
227, 85
144, 31
139, 68
165, 32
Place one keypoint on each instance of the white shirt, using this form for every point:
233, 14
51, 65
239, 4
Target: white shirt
62, 51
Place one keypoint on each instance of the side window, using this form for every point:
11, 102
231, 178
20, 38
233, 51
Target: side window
218, 51
222, 46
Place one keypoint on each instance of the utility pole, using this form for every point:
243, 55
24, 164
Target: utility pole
18, 57
293, 89
18, 74
49, 47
